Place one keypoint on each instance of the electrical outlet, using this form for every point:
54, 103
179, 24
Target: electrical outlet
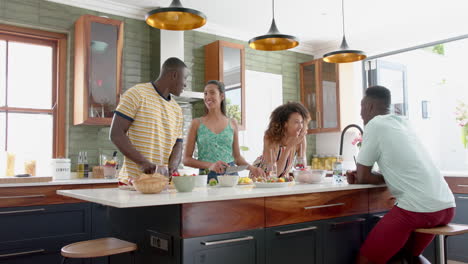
159, 243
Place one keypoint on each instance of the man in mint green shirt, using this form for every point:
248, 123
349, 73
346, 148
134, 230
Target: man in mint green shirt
423, 198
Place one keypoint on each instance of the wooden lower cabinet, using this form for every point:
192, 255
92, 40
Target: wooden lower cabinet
246, 247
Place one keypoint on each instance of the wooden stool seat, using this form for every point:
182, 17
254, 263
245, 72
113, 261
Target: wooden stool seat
447, 230
98, 248
441, 233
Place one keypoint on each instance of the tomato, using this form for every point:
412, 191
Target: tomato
175, 173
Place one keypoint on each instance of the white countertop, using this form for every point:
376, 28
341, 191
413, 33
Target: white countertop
454, 173
124, 198
59, 182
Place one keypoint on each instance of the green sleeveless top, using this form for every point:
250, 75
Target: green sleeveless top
213, 147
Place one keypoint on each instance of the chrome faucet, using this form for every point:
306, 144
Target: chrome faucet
344, 131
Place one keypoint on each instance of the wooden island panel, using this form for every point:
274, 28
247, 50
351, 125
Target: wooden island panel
42, 195
284, 210
458, 184
380, 199
209, 218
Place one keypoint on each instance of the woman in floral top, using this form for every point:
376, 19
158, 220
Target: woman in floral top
284, 139
216, 136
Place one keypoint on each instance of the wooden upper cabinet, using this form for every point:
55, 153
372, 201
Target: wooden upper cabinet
320, 94
225, 62
98, 69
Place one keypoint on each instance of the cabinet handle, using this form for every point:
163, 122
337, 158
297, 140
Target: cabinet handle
323, 206
358, 220
463, 197
296, 230
23, 196
226, 241
462, 185
22, 253
22, 211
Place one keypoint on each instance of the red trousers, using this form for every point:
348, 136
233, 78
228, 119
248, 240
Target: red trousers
395, 231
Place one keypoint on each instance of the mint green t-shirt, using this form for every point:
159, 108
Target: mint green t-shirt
408, 170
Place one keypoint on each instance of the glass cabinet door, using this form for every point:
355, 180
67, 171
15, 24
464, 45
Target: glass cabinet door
98, 67
320, 95
329, 95
232, 80
309, 88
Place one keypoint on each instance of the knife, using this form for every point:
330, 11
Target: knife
234, 169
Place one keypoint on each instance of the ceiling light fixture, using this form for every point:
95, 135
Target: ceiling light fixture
175, 17
344, 54
273, 39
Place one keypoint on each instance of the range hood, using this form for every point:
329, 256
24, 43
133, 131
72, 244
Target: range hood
189, 97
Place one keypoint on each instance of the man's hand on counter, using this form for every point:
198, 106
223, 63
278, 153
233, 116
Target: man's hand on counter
351, 177
148, 167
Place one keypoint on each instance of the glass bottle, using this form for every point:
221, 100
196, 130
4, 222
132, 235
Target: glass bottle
338, 171
315, 162
80, 166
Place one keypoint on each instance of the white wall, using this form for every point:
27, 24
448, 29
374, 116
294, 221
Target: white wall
172, 45
264, 92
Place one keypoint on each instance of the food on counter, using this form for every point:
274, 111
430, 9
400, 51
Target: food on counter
273, 179
150, 183
244, 181
98, 172
110, 163
212, 182
175, 173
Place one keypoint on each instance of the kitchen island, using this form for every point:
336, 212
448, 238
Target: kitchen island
303, 223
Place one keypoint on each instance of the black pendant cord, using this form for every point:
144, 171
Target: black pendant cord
342, 14
273, 9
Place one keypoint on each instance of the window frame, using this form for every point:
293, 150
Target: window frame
58, 42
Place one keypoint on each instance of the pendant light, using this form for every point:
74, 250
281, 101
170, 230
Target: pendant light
175, 17
344, 54
273, 40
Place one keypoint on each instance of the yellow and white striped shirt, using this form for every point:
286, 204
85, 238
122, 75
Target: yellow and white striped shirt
157, 124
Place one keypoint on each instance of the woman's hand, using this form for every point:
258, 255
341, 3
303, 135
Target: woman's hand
218, 167
292, 142
256, 171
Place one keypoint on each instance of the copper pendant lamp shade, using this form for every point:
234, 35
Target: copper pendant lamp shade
344, 54
175, 17
273, 40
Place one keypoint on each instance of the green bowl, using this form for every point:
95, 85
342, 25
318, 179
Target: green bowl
184, 183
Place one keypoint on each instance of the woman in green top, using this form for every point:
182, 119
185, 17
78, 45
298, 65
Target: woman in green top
216, 136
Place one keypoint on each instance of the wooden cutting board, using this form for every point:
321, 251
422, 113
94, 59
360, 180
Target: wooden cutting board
25, 179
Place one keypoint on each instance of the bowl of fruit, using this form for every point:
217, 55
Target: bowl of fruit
183, 183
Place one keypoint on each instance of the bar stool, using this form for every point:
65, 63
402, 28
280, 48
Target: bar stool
442, 232
101, 247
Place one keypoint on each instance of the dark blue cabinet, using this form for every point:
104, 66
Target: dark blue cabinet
246, 247
342, 239
35, 234
298, 243
457, 246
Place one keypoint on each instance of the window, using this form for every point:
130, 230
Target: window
428, 86
32, 93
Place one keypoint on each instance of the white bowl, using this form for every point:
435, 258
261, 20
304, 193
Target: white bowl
201, 180
228, 180
309, 176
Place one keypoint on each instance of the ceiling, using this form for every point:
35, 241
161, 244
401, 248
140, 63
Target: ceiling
375, 26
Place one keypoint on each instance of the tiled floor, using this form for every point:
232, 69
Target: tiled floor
455, 262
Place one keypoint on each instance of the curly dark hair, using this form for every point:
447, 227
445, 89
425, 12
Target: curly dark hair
280, 116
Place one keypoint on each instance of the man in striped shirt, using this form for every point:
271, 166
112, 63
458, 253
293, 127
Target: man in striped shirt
147, 124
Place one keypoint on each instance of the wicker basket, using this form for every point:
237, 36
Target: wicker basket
151, 184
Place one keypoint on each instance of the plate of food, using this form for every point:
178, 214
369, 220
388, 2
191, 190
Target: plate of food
273, 182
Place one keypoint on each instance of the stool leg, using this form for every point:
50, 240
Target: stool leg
63, 260
441, 258
132, 256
